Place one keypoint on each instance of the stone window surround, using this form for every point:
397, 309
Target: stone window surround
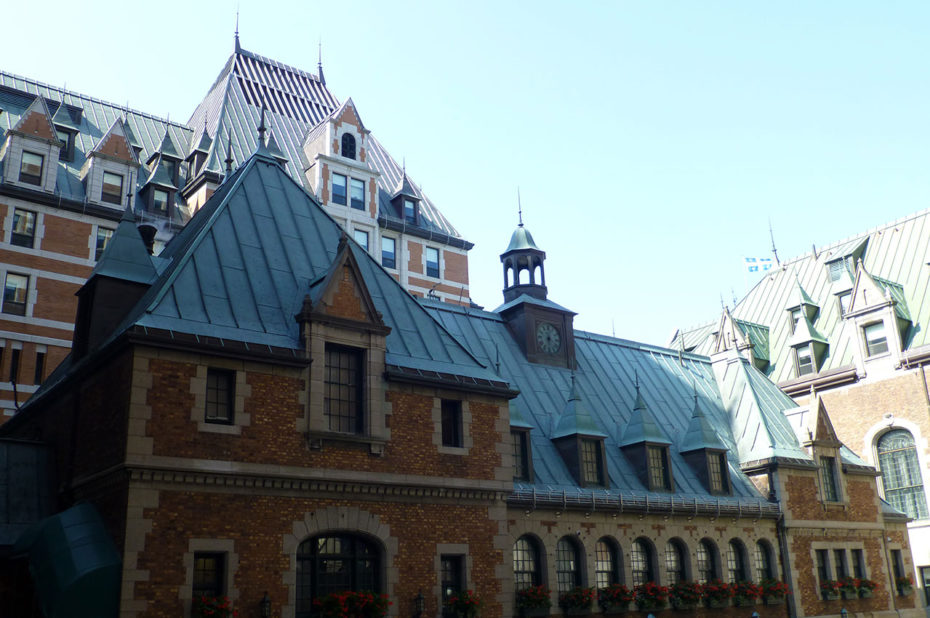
443, 549
241, 392
467, 441
38, 232
224, 546
842, 497
30, 292
831, 546
870, 442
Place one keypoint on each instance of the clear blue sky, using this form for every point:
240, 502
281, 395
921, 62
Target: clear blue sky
652, 141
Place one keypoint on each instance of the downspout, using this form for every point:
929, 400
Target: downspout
893, 589
783, 550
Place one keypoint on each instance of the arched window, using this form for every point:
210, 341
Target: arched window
736, 562
606, 563
764, 568
567, 564
675, 559
642, 562
526, 565
897, 460
348, 146
331, 563
706, 561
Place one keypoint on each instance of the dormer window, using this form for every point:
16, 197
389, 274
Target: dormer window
838, 268
348, 146
30, 168
171, 166
804, 360
67, 145
592, 462
875, 340
828, 479
658, 468
522, 462
339, 189
795, 317
843, 300
159, 203
112, 190
718, 478
410, 211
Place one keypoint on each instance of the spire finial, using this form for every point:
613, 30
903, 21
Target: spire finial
636, 379
237, 28
774, 250
261, 128
229, 159
319, 64
519, 207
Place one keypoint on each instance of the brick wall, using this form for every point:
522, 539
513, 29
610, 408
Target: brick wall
66, 236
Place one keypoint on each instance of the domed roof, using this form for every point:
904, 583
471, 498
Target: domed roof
521, 239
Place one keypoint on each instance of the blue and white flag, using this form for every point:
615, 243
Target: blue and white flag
755, 265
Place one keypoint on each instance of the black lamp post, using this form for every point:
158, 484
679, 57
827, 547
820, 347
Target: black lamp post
419, 604
264, 606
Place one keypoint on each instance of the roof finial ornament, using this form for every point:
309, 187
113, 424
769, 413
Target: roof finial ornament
519, 207
237, 28
636, 379
261, 128
319, 63
774, 250
229, 159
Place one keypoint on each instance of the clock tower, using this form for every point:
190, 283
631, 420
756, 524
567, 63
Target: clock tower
541, 327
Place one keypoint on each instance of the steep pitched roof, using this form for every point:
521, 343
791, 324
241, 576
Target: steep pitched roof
575, 419
125, 256
36, 121
700, 433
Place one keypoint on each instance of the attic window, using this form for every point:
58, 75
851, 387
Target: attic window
837, 268
804, 360
160, 201
348, 146
30, 168
410, 211
657, 463
794, 319
828, 479
875, 341
67, 145
112, 190
843, 300
592, 462
520, 440
717, 473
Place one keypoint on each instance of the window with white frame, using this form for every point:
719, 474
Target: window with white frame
875, 341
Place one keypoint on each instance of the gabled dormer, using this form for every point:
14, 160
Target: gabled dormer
168, 157
646, 447
809, 347
824, 446
704, 450
159, 190
110, 171
134, 142
274, 150
743, 336
208, 176
67, 126
843, 259
406, 200
878, 309
580, 442
198, 155
522, 446
31, 149
800, 303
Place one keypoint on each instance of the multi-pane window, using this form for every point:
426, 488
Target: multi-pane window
327, 564
112, 190
828, 479
67, 145
209, 574
674, 563
657, 463
451, 422
30, 168
39, 368
452, 577
795, 317
521, 459
410, 211
339, 189
432, 262
103, 239
763, 562
343, 389
526, 568
641, 569
836, 269
736, 562
606, 564
348, 146
717, 472
220, 396
15, 355
875, 340
839, 563
160, 201
897, 563
24, 228
388, 254
901, 478
361, 238
705, 557
858, 563
592, 463
357, 195
823, 564
804, 359
567, 565
843, 300
15, 292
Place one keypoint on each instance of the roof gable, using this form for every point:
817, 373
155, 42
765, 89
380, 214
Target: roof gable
575, 418
820, 428
36, 121
115, 144
126, 256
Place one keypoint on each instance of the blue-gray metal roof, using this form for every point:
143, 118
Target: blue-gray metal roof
125, 256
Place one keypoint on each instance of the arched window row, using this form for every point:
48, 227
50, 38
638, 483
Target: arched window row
707, 562
900, 469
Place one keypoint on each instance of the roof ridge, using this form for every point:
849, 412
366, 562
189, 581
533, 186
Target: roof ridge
276, 63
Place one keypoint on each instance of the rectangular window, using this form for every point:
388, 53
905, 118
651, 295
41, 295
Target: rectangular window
843, 300
823, 565
805, 360
828, 479
858, 564
451, 422
112, 191
343, 389
521, 459
14, 365
836, 269
410, 211
160, 201
220, 396
24, 228
358, 194
795, 318
839, 563
103, 239
717, 473
339, 189
452, 577
67, 145
30, 168
361, 238
209, 574
40, 368
657, 463
432, 262
875, 341
15, 292
592, 464
387, 252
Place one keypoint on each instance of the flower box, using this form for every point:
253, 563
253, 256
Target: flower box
718, 603
830, 595
743, 601
616, 608
577, 611
865, 594
534, 612
905, 591
773, 600
683, 606
650, 606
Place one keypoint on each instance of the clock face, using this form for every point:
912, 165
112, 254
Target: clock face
547, 338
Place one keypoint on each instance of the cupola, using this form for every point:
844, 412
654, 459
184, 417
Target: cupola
524, 269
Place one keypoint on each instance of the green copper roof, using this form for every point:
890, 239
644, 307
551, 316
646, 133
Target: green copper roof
700, 434
516, 417
167, 147
759, 337
896, 292
642, 426
575, 418
203, 145
805, 332
159, 176
126, 256
800, 297
521, 239
62, 118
